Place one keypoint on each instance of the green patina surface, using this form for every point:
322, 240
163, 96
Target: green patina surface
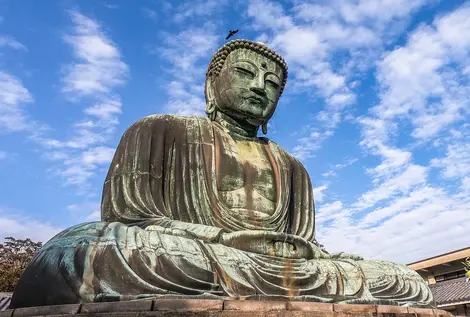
203, 207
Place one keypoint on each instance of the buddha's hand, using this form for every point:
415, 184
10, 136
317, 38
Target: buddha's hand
187, 230
169, 231
270, 243
346, 256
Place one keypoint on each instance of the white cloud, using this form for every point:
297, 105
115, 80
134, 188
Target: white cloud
8, 41
318, 193
105, 110
334, 169
329, 211
20, 227
455, 164
378, 11
78, 167
88, 211
309, 36
185, 94
13, 95
329, 173
149, 13
111, 6
197, 8
423, 94
307, 145
402, 183
393, 160
94, 216
423, 81
349, 162
406, 230
98, 67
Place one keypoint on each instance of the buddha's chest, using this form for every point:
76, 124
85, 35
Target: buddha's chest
245, 176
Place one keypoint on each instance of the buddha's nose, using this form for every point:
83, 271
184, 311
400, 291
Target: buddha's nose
259, 91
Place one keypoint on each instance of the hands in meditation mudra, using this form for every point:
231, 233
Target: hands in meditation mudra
202, 206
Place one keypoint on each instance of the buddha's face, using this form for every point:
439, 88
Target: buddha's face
248, 86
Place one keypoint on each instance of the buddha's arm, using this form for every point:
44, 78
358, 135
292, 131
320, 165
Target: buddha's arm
147, 183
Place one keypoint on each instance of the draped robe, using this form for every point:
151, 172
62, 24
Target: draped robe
162, 220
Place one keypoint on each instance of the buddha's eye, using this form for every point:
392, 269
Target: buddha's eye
244, 72
273, 84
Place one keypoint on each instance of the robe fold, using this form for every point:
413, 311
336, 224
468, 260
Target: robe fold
161, 225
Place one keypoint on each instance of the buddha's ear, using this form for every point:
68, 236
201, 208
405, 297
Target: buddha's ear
210, 98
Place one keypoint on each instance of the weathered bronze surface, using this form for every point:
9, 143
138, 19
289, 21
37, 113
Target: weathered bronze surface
203, 207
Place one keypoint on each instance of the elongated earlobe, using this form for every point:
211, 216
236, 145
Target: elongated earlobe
211, 110
264, 128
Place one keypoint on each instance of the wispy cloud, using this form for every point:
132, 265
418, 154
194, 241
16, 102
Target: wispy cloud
13, 96
149, 13
197, 9
185, 91
22, 227
422, 85
337, 167
8, 41
310, 34
87, 211
98, 69
319, 194
424, 70
111, 6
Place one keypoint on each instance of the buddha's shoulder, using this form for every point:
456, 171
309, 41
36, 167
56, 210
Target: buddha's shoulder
169, 120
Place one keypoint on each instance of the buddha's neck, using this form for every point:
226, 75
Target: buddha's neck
236, 127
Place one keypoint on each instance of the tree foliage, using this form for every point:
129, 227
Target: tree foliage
15, 255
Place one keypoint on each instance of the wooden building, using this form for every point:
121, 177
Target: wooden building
445, 274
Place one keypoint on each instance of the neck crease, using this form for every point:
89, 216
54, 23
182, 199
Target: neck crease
235, 127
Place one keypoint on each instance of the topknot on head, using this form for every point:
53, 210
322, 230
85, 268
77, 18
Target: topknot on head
218, 60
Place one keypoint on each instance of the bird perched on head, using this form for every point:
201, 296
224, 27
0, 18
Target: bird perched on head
231, 33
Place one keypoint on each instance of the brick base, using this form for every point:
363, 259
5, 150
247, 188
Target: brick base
221, 308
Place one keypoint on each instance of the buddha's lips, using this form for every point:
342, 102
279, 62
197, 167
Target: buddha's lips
260, 100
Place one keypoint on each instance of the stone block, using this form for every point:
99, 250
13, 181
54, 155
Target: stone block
421, 312
355, 308
310, 306
124, 306
47, 310
391, 311
6, 313
442, 313
350, 310
182, 305
250, 305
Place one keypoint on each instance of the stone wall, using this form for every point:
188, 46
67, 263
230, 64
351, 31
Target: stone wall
222, 308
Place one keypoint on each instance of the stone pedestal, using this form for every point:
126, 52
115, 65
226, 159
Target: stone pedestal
222, 308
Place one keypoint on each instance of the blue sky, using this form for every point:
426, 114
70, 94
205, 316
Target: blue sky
376, 107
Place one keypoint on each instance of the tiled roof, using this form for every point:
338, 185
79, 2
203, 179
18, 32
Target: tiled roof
452, 291
5, 299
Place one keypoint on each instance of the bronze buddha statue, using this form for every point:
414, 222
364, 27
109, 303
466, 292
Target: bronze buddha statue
196, 206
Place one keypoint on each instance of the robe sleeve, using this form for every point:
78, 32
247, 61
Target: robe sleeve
302, 208
142, 175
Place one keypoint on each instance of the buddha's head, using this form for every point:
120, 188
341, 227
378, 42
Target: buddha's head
244, 81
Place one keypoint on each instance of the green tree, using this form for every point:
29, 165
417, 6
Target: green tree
15, 255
